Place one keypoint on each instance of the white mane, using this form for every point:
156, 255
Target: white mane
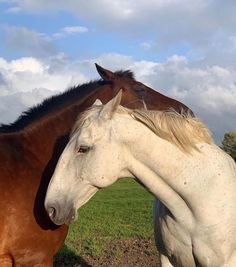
182, 130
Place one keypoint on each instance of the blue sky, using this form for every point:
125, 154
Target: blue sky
185, 49
89, 44
81, 46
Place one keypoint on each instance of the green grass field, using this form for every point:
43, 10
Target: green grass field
120, 212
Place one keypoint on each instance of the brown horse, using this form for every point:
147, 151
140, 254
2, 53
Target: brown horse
29, 150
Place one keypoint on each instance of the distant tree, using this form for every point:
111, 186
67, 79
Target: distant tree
229, 144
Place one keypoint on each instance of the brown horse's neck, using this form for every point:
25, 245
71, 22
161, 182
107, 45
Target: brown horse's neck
40, 137
48, 135
42, 144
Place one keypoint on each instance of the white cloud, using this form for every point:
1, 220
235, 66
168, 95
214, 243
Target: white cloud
13, 104
74, 29
14, 10
25, 74
114, 61
66, 31
28, 64
146, 45
27, 81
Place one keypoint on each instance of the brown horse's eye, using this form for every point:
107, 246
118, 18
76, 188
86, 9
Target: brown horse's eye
139, 90
83, 149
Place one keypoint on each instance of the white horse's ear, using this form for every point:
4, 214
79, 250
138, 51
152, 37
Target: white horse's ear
97, 102
110, 107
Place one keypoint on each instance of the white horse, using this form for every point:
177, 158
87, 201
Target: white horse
174, 157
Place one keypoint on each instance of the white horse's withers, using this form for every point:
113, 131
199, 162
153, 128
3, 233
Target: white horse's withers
174, 157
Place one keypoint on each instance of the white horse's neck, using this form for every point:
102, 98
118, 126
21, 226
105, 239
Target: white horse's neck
172, 175
153, 168
160, 188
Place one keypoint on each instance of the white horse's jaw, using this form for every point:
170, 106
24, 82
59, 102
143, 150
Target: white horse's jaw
89, 193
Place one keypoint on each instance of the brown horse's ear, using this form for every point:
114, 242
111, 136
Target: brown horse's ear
106, 75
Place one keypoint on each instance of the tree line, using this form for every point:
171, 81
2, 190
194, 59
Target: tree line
229, 144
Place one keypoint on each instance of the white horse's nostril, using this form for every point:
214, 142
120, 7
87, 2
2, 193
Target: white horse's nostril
51, 212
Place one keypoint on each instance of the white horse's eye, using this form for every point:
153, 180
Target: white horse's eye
83, 149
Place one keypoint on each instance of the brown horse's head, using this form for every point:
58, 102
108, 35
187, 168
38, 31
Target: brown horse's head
136, 94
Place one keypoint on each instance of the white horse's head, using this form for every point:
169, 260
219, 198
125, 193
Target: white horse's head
92, 159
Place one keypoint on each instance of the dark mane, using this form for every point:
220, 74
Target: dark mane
125, 74
56, 102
